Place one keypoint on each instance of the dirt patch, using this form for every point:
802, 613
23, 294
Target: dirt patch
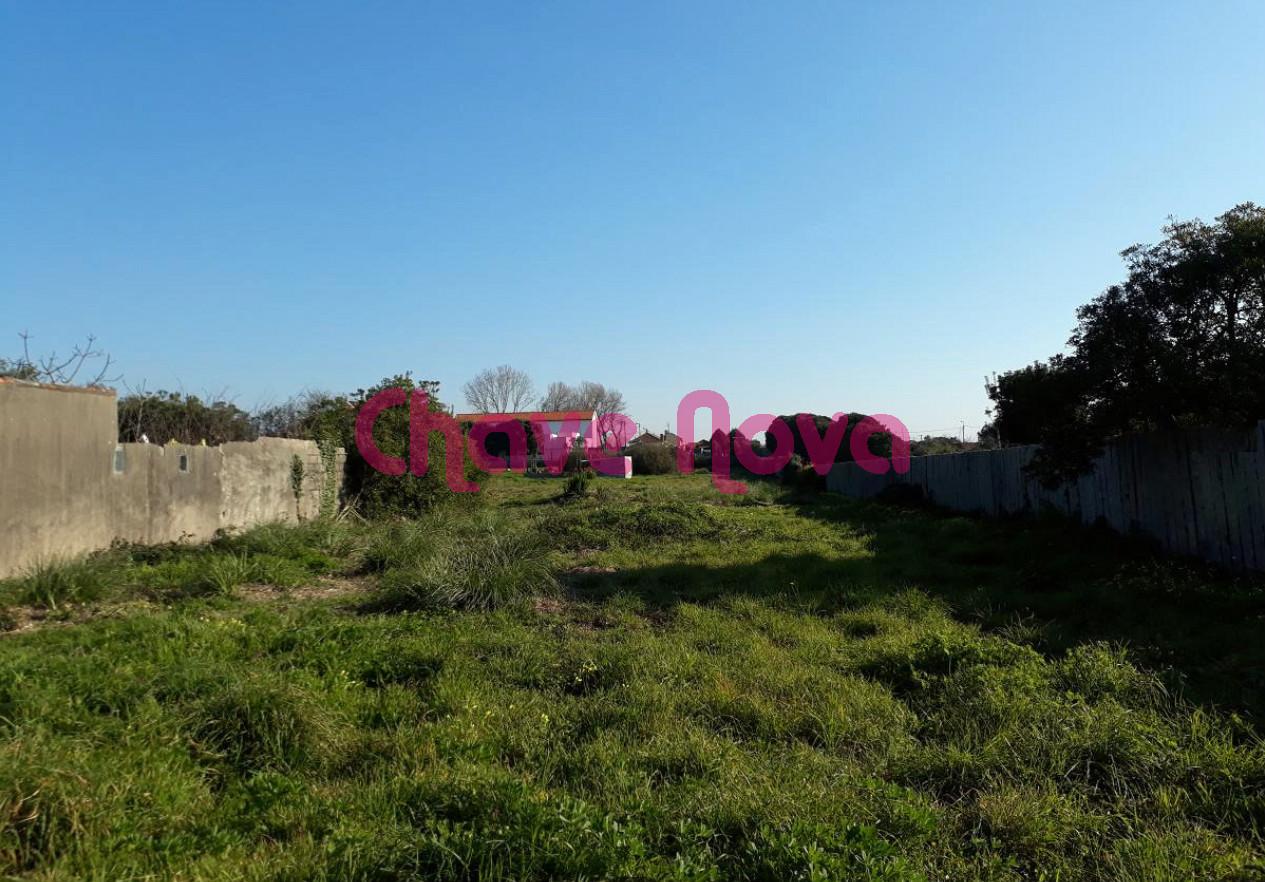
334, 586
568, 613
549, 605
23, 619
658, 618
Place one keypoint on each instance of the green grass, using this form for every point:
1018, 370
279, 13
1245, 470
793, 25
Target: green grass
471, 562
646, 681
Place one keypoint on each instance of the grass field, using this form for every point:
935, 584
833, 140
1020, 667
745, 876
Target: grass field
648, 681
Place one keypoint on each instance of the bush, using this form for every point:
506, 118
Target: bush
800, 475
383, 496
163, 416
653, 459
575, 462
578, 485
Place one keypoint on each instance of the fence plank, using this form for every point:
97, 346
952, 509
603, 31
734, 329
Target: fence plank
1198, 492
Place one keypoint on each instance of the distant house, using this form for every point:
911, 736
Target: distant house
669, 438
563, 424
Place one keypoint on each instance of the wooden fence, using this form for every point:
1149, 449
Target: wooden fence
1198, 492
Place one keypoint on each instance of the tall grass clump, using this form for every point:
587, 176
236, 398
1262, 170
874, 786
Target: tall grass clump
54, 582
578, 485
282, 555
221, 573
261, 723
400, 545
480, 564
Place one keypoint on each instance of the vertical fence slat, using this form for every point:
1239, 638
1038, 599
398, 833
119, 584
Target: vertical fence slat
1198, 492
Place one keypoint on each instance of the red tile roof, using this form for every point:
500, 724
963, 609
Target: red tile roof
529, 415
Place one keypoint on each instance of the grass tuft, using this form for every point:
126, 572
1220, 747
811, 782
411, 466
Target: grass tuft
53, 583
484, 565
260, 724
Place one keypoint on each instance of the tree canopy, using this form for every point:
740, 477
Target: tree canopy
1181, 342
164, 416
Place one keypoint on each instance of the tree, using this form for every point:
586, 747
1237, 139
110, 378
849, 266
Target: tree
606, 401
65, 370
938, 445
1032, 403
654, 458
1181, 342
988, 437
301, 416
879, 443
501, 389
165, 416
584, 397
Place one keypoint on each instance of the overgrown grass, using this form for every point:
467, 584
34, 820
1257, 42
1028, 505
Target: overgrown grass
55, 582
748, 690
284, 556
481, 562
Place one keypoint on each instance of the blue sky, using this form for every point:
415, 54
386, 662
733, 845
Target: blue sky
803, 206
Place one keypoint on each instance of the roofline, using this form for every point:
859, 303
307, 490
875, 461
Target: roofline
529, 416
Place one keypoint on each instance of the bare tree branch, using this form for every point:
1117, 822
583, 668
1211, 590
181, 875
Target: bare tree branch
503, 389
62, 371
606, 401
586, 396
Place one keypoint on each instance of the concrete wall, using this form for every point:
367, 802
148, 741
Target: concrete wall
1198, 492
67, 487
55, 450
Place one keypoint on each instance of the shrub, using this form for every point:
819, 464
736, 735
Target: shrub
575, 462
800, 474
163, 416
578, 484
375, 494
652, 459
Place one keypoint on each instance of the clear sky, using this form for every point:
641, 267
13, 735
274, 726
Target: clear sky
841, 206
